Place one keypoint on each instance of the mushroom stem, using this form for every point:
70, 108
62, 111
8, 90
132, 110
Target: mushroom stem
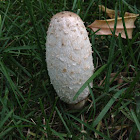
78, 105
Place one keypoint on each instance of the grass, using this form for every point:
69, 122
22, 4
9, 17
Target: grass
29, 106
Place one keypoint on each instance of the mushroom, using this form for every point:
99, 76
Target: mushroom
69, 57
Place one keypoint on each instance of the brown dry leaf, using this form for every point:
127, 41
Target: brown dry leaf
109, 12
106, 26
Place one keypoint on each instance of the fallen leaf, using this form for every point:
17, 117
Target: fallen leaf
109, 12
106, 27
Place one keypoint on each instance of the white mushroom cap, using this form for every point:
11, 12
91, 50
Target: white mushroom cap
68, 56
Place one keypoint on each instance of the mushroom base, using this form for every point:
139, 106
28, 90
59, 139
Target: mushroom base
79, 105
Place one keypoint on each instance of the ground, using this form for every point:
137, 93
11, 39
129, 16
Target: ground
29, 106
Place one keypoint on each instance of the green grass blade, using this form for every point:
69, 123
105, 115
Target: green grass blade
74, 4
12, 85
53, 108
0, 21
25, 106
136, 120
22, 119
30, 9
20, 66
107, 107
133, 133
99, 71
42, 109
5, 132
132, 85
111, 53
129, 89
19, 129
3, 20
20, 48
5, 119
90, 4
125, 30
60, 116
123, 21
57, 134
122, 49
137, 98
93, 101
129, 7
89, 127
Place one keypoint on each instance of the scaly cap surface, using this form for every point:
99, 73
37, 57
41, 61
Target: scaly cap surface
68, 56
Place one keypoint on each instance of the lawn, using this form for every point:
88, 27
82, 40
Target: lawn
29, 105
